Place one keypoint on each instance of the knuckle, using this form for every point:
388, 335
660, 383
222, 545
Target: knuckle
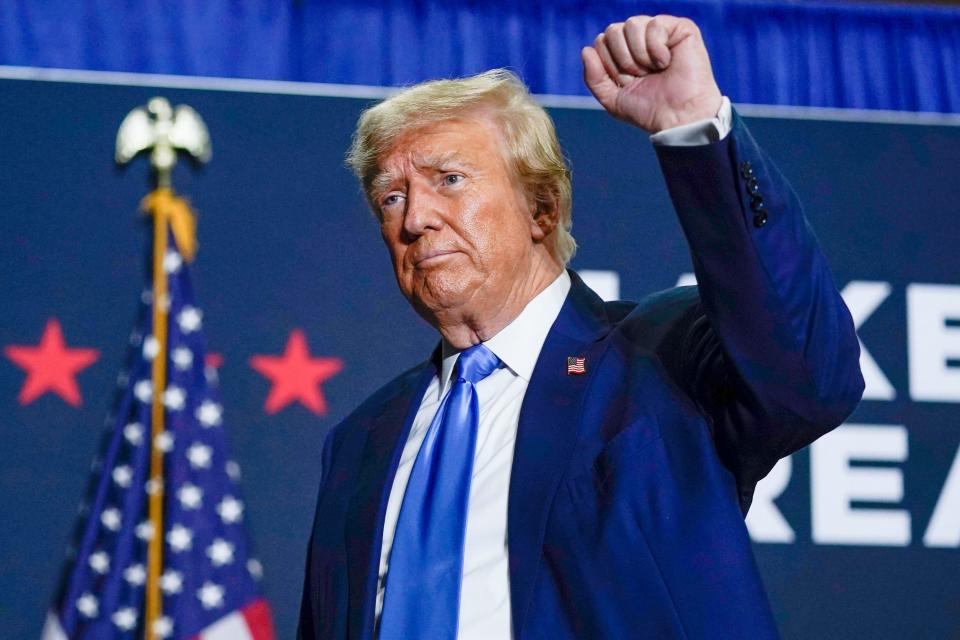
613, 28
635, 24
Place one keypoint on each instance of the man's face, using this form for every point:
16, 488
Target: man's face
460, 232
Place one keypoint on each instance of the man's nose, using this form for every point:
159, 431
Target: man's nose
424, 210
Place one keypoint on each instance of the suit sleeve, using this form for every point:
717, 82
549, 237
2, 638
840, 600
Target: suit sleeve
770, 354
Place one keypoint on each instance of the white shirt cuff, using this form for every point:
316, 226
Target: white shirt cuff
700, 132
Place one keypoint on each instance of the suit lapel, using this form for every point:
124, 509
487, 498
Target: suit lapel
547, 432
381, 455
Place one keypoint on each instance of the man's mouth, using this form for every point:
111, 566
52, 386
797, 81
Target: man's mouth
430, 257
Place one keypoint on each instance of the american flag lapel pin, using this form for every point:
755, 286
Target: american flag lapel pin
575, 366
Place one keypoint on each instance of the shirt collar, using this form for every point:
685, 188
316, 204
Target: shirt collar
518, 344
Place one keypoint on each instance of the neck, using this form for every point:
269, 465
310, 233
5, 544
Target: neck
468, 327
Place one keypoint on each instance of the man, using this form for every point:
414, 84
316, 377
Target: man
561, 467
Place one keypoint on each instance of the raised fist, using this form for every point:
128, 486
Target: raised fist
653, 72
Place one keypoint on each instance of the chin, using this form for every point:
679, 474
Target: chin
443, 290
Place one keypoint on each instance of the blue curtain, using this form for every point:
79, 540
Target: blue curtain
828, 55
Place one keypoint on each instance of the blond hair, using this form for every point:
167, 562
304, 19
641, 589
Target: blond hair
530, 140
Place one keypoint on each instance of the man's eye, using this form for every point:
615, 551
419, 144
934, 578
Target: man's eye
391, 199
452, 178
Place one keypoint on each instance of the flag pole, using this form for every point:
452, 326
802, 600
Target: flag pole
155, 488
152, 129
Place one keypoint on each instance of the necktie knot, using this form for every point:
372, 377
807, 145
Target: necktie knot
475, 364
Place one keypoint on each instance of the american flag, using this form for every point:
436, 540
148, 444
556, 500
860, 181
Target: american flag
575, 366
209, 580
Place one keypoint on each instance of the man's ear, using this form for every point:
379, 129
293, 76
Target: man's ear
546, 213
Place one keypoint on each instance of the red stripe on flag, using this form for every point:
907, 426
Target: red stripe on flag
257, 615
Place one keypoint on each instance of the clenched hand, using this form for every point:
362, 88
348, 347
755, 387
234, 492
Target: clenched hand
653, 72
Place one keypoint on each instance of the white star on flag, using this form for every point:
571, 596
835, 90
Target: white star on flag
209, 413
190, 496
211, 595
175, 398
164, 441
233, 470
125, 619
144, 530
180, 538
199, 455
100, 562
171, 582
133, 432
230, 510
123, 476
190, 319
162, 627
255, 568
135, 575
110, 518
151, 347
143, 390
220, 552
172, 262
182, 358
88, 605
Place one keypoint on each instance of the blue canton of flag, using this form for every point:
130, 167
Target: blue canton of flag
209, 579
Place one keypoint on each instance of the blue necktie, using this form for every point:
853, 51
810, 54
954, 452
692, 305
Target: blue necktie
422, 598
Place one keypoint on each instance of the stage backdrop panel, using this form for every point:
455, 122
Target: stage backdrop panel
856, 537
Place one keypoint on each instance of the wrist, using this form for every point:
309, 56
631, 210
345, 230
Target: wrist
698, 132
694, 110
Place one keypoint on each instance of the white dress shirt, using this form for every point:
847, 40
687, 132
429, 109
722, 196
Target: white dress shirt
485, 590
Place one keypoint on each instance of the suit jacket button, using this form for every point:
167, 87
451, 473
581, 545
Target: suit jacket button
756, 202
753, 187
746, 170
760, 219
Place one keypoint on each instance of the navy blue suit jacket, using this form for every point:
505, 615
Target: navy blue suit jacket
629, 483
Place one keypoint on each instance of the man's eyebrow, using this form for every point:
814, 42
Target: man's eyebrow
382, 180
441, 160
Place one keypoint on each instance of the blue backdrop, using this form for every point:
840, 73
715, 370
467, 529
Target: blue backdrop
796, 53
857, 537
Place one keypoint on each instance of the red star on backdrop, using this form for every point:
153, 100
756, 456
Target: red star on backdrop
51, 366
295, 376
